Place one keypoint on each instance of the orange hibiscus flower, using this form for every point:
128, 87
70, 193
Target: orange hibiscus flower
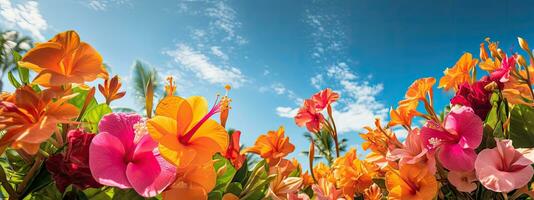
411, 182
193, 182
64, 60
459, 73
272, 146
30, 118
420, 88
185, 132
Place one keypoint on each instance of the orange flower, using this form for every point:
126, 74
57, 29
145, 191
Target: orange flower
379, 140
322, 171
185, 132
373, 193
459, 73
411, 182
110, 89
351, 174
30, 118
420, 88
516, 91
282, 185
64, 60
194, 182
483, 52
170, 87
404, 113
272, 146
307, 179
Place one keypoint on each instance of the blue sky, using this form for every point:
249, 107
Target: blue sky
276, 53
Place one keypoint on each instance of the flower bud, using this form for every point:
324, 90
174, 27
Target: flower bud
523, 44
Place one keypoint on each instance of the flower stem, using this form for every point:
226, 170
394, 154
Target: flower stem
29, 175
7, 186
334, 133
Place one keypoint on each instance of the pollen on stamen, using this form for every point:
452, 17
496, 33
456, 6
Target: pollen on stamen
434, 142
140, 130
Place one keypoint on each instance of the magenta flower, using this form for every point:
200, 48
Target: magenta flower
72, 167
503, 168
474, 96
455, 140
502, 74
413, 152
123, 155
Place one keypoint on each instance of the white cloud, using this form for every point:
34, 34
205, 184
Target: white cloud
216, 50
24, 16
102, 5
224, 19
317, 81
203, 68
287, 112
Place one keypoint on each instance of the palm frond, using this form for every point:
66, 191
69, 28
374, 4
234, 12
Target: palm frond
141, 74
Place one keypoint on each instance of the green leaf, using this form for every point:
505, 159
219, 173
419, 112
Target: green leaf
234, 188
104, 193
522, 126
93, 116
215, 195
13, 80
49, 192
225, 172
79, 99
24, 73
39, 181
129, 194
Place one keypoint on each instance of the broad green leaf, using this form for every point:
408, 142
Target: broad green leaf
104, 193
225, 172
13, 80
41, 180
522, 126
234, 188
49, 192
92, 116
79, 99
24, 73
215, 195
129, 194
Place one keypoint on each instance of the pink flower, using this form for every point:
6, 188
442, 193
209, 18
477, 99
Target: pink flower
502, 74
297, 196
308, 115
455, 140
123, 155
503, 168
463, 181
413, 152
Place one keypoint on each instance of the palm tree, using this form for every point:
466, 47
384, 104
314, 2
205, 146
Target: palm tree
324, 145
10, 42
142, 74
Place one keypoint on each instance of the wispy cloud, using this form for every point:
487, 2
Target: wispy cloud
358, 105
203, 68
287, 112
24, 16
209, 50
102, 5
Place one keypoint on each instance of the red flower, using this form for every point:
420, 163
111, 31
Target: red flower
233, 152
324, 98
72, 167
475, 96
308, 115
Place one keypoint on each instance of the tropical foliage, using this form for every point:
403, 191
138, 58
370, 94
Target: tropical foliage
58, 142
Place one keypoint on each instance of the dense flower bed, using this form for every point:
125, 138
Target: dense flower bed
58, 142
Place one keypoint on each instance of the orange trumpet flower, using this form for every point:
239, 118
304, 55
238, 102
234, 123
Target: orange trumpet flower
30, 118
459, 73
272, 146
64, 60
411, 182
110, 89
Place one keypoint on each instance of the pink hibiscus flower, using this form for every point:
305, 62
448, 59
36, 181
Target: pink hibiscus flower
413, 152
463, 181
123, 155
324, 98
504, 168
455, 140
503, 73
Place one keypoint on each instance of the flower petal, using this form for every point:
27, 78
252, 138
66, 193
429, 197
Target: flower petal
106, 160
149, 174
454, 157
121, 126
